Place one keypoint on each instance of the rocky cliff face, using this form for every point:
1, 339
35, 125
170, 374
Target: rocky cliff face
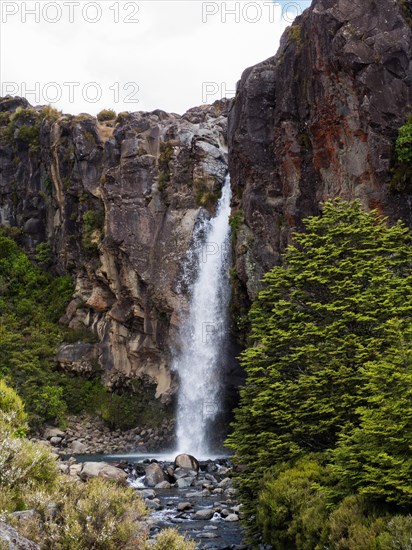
114, 204
319, 120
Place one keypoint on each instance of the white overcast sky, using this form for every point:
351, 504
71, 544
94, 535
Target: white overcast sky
83, 56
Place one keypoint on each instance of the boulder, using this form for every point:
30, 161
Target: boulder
104, 470
51, 432
11, 540
148, 493
204, 514
79, 357
75, 469
154, 475
183, 506
78, 447
188, 462
114, 474
225, 483
163, 485
232, 517
181, 472
184, 482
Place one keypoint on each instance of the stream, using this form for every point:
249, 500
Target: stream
204, 508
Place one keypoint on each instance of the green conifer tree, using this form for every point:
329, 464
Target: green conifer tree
375, 459
319, 319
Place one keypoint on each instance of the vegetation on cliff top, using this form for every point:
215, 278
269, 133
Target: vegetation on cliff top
324, 423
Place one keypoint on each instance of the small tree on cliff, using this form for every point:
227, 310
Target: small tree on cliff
319, 319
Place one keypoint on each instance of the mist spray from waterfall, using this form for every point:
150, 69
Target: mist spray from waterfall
204, 332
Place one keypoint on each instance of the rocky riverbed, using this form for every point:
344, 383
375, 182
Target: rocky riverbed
196, 497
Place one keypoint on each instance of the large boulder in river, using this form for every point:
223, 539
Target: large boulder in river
104, 470
154, 475
188, 462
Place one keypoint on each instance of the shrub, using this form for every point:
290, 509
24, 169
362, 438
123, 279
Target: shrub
295, 33
403, 146
106, 114
402, 170
12, 414
164, 178
97, 515
235, 221
44, 254
354, 525
205, 194
120, 411
93, 222
374, 458
165, 156
50, 113
169, 539
24, 464
292, 507
24, 124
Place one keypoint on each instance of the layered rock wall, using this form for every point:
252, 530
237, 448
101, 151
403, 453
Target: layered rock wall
116, 202
319, 120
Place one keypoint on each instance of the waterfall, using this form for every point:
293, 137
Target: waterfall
204, 332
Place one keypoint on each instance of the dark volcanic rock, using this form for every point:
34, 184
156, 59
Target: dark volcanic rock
319, 120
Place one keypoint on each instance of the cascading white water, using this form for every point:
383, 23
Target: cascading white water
204, 331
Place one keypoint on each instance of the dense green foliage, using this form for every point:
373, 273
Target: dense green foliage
21, 129
402, 169
132, 408
12, 413
165, 156
404, 143
329, 331
375, 458
31, 302
93, 223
